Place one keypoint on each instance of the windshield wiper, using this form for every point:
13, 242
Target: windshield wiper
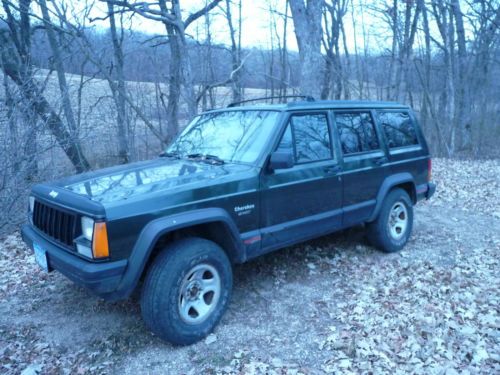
212, 159
167, 154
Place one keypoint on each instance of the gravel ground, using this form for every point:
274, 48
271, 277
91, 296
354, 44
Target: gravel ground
333, 305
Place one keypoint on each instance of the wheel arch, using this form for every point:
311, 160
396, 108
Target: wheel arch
404, 181
213, 224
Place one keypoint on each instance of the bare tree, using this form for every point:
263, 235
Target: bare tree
460, 110
410, 22
89, 52
484, 51
334, 76
235, 37
308, 31
403, 24
284, 60
119, 90
57, 61
180, 76
15, 45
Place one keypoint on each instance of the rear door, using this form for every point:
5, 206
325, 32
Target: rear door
365, 163
305, 200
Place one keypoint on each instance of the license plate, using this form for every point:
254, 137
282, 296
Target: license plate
41, 257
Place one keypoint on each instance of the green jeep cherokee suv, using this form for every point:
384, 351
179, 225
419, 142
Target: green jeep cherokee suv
236, 183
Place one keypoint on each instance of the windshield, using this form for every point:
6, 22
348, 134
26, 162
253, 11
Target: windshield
236, 136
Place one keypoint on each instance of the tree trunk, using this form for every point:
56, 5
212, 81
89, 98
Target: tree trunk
59, 67
334, 73
16, 63
446, 30
346, 72
308, 31
174, 83
394, 46
180, 74
235, 55
425, 110
461, 123
43, 109
122, 120
284, 71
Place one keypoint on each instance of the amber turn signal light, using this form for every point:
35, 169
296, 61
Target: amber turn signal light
100, 247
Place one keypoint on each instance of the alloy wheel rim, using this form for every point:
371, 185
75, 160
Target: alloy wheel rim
199, 293
398, 220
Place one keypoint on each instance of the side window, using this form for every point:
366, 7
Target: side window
286, 140
312, 138
398, 128
356, 132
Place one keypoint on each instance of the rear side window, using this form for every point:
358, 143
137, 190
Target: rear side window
398, 128
356, 132
310, 140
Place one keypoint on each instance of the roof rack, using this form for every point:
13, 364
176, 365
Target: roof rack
306, 97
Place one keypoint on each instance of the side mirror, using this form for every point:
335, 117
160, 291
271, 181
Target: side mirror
281, 160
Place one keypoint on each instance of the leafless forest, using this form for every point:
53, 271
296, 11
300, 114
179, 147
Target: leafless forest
85, 86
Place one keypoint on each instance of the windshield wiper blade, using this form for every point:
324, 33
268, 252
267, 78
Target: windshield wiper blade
166, 154
206, 157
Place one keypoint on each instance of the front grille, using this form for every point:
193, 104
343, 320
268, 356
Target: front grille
58, 224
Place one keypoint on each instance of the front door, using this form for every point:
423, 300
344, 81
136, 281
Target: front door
303, 201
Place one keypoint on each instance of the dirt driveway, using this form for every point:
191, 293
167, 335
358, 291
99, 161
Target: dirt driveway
333, 305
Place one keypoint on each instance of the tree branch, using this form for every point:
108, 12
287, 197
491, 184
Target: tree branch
193, 17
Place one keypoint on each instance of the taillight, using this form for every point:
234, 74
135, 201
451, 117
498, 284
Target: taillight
429, 170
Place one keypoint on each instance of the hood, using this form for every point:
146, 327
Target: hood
130, 180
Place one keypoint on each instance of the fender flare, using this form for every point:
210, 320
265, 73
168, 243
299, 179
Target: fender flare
155, 229
387, 185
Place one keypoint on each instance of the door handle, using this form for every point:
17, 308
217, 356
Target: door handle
381, 160
332, 169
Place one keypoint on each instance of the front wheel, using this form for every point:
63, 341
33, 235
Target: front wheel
186, 290
392, 228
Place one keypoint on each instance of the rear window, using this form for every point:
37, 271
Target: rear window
357, 132
398, 128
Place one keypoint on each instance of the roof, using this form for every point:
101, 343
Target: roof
340, 104
317, 104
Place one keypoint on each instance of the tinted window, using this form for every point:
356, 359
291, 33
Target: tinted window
286, 140
312, 138
357, 132
398, 129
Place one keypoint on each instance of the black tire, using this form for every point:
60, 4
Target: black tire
161, 292
379, 232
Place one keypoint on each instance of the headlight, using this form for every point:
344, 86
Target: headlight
32, 204
87, 227
84, 250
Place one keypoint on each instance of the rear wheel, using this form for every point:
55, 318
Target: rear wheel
186, 290
392, 228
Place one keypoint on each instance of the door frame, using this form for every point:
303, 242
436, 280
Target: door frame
310, 226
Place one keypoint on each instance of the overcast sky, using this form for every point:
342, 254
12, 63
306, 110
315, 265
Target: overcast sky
256, 23
369, 26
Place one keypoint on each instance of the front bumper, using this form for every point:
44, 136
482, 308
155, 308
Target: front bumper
101, 278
